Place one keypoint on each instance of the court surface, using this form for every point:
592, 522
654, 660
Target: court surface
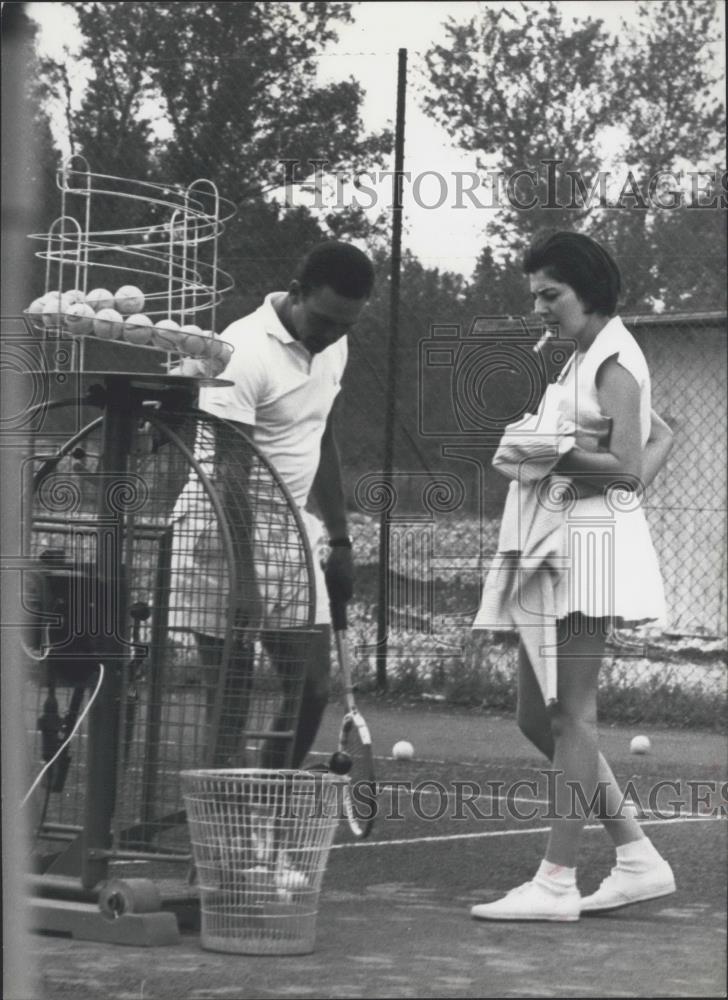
394, 914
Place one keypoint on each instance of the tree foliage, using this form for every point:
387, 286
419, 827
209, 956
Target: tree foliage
669, 106
524, 91
561, 100
234, 83
221, 91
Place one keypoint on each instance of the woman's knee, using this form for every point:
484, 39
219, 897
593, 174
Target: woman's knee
566, 723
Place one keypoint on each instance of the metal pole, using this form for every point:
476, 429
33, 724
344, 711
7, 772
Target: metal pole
392, 364
18, 218
111, 619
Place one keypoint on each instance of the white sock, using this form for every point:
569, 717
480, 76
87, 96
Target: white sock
556, 875
642, 850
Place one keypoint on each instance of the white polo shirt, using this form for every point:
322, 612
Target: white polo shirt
285, 393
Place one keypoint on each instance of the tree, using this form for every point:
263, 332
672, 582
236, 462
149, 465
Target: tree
674, 121
234, 85
669, 107
526, 94
238, 81
551, 103
497, 287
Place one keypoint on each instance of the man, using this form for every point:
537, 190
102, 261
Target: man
288, 361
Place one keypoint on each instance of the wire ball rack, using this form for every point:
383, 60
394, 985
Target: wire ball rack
168, 308
188, 592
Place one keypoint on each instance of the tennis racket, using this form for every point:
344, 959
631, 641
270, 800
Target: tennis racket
359, 798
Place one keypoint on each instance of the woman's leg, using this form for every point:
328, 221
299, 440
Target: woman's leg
535, 724
568, 737
531, 715
621, 827
574, 731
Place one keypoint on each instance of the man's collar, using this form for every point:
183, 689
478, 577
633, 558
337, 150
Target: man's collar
273, 324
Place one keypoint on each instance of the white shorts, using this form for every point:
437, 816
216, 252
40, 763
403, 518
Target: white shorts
279, 592
280, 575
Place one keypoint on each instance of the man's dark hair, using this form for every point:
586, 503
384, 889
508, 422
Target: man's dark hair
578, 261
340, 266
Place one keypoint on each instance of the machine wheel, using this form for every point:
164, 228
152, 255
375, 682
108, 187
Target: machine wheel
130, 895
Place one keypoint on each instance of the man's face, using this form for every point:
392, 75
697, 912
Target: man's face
323, 316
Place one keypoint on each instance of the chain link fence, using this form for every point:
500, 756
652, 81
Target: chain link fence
443, 502
442, 506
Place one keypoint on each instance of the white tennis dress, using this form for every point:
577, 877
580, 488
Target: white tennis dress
613, 567
609, 567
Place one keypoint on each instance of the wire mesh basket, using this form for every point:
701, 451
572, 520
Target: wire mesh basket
260, 840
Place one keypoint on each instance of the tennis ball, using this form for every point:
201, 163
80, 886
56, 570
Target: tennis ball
52, 309
138, 329
166, 335
100, 298
192, 340
79, 319
108, 324
129, 299
403, 750
640, 744
72, 297
35, 313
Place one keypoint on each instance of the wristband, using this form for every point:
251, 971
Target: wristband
340, 543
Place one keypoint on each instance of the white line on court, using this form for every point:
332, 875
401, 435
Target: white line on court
508, 833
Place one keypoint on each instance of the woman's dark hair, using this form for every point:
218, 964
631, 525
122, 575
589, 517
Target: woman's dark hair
578, 261
340, 266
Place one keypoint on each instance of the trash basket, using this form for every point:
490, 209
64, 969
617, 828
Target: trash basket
260, 842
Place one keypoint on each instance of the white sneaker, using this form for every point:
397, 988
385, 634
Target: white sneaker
532, 901
625, 886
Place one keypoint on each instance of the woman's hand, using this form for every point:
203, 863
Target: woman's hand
658, 447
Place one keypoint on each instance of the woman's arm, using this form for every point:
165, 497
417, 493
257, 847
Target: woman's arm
621, 462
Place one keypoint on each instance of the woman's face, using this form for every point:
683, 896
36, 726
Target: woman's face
557, 304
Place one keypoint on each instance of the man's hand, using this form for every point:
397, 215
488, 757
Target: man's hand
198, 367
339, 573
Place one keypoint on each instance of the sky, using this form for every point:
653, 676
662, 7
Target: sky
445, 236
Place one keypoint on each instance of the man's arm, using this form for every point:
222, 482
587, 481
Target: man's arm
328, 490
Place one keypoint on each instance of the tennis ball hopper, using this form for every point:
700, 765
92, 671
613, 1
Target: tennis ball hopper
135, 548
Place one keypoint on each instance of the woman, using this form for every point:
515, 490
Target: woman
617, 442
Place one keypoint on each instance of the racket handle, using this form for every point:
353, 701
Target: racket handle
338, 615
